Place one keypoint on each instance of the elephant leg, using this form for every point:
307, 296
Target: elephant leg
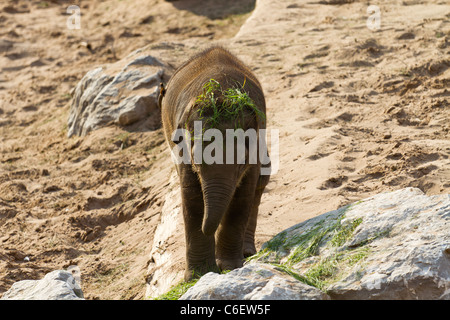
249, 248
231, 232
200, 249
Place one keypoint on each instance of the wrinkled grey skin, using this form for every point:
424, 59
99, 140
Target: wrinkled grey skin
220, 201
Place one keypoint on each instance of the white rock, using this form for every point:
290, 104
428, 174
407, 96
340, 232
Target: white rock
255, 281
399, 247
407, 234
56, 285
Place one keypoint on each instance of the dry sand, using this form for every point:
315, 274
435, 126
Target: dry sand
359, 112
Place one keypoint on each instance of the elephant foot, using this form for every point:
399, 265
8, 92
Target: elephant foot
197, 272
249, 249
229, 264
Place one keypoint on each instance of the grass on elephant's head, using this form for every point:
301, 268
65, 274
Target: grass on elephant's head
216, 105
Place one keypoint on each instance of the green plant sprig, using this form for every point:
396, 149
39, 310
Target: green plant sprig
235, 101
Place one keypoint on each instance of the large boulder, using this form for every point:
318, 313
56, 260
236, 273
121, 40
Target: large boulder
121, 93
406, 235
394, 245
56, 285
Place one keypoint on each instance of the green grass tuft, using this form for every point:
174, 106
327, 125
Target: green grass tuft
177, 291
344, 233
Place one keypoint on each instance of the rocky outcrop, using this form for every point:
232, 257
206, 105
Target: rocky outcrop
393, 245
56, 285
121, 93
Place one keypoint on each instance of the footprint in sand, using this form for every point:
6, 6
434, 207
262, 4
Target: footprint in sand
406, 36
333, 183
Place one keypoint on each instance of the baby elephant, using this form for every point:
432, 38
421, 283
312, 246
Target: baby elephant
213, 112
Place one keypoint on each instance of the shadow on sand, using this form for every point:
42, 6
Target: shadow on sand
215, 9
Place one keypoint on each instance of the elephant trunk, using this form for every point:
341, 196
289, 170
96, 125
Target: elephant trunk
217, 195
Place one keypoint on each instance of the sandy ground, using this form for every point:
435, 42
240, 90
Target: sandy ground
359, 112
